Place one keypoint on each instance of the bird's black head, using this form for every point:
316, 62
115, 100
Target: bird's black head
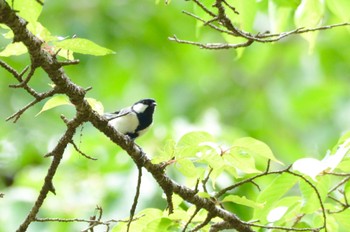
143, 105
144, 110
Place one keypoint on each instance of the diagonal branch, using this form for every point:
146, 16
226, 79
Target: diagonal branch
84, 113
140, 158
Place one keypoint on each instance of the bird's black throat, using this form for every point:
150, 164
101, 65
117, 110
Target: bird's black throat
145, 118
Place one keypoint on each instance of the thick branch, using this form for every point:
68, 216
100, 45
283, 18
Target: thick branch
51, 66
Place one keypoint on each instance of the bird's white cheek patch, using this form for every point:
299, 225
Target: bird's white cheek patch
139, 107
125, 124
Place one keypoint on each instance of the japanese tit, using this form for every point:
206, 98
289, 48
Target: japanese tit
133, 121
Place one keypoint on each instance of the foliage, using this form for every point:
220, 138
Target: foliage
291, 199
290, 100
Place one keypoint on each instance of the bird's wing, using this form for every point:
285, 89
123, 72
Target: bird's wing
117, 114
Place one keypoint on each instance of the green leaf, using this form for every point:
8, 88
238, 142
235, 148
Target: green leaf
186, 167
160, 224
176, 199
293, 205
270, 195
28, 9
217, 171
83, 46
40, 31
309, 14
247, 10
245, 20
202, 14
344, 165
279, 16
55, 101
96, 105
240, 160
342, 140
255, 148
213, 160
149, 216
194, 139
284, 3
343, 218
190, 144
166, 154
311, 202
332, 223
243, 201
203, 195
340, 8
14, 49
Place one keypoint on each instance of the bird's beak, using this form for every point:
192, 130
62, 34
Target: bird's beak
154, 103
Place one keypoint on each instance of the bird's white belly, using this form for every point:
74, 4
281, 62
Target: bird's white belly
125, 124
141, 132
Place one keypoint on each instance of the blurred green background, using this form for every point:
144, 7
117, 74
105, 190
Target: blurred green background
294, 100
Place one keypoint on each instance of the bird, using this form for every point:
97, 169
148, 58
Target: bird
134, 120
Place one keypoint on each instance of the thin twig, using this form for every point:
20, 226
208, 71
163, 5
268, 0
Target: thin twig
95, 221
209, 24
212, 46
136, 198
10, 69
231, 7
80, 152
250, 180
204, 223
283, 227
196, 186
27, 79
337, 174
298, 219
191, 218
338, 201
317, 194
40, 2
18, 77
232, 30
205, 9
68, 62
339, 184
206, 179
40, 97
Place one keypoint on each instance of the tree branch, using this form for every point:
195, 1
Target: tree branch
136, 198
225, 25
84, 113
